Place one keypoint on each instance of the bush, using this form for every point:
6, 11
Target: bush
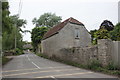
94, 64
112, 66
116, 72
19, 51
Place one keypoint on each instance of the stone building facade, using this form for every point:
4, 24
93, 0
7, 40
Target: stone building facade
70, 33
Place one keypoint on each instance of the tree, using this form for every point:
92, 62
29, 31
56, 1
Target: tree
37, 35
108, 25
6, 26
18, 22
11, 26
93, 38
8, 41
102, 34
99, 34
0, 19
115, 34
47, 19
0, 27
9, 35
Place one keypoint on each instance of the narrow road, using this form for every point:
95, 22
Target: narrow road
31, 66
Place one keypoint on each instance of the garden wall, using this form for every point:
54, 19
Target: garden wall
105, 52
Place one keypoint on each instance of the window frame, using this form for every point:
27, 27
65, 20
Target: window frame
77, 33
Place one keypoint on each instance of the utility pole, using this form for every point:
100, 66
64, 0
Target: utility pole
16, 29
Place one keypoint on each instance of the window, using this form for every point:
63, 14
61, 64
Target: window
77, 33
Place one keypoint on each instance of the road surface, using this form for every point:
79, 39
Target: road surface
32, 66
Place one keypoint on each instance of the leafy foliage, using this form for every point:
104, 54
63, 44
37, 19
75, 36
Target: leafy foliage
94, 64
93, 39
112, 66
42, 24
115, 34
18, 22
6, 26
37, 35
106, 32
11, 26
99, 34
18, 51
108, 25
47, 19
102, 34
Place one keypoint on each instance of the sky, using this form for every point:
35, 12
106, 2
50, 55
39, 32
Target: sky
90, 12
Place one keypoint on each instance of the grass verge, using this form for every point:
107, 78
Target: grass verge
5, 60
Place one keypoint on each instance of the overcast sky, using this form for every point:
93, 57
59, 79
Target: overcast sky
90, 13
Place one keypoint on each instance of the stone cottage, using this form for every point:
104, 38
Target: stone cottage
68, 34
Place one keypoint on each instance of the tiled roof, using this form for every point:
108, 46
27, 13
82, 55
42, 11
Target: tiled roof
58, 27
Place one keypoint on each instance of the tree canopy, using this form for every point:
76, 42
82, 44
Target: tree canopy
42, 25
18, 22
102, 34
108, 25
11, 28
106, 31
6, 26
115, 34
37, 35
47, 19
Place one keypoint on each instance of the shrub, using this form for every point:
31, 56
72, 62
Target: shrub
116, 72
112, 66
18, 51
94, 64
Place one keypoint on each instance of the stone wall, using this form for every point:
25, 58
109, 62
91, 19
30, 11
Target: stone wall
105, 52
108, 51
79, 55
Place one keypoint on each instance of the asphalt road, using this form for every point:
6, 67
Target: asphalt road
31, 66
